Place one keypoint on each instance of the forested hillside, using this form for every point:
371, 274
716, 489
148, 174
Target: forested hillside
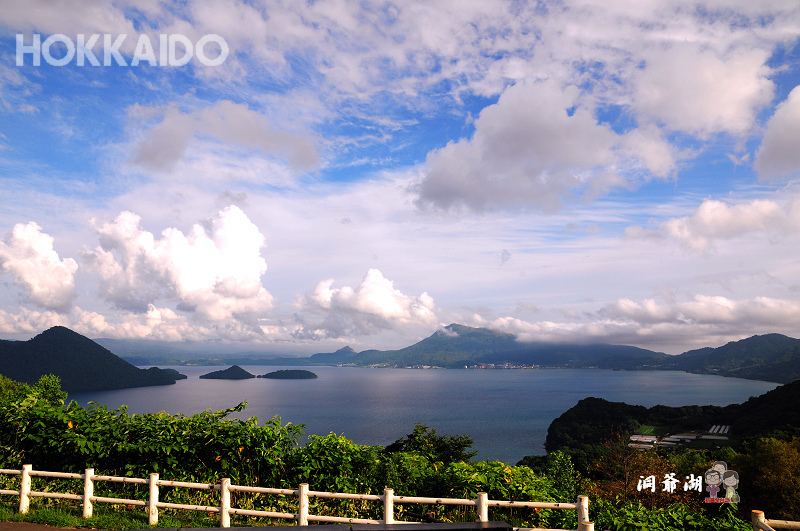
80, 363
594, 419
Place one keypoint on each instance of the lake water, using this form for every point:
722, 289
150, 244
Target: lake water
506, 412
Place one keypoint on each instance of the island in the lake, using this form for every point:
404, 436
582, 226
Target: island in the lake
290, 374
231, 373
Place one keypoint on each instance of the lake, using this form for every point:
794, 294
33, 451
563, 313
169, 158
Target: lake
506, 412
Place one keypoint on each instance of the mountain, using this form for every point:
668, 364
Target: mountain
80, 363
458, 345
769, 357
231, 373
343, 355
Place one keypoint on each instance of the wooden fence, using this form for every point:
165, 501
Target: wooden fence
482, 502
760, 523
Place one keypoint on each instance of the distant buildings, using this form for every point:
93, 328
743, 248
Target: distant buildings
717, 432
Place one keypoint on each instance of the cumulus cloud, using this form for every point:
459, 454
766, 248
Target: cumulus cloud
682, 87
166, 142
27, 255
213, 272
702, 320
778, 157
536, 146
714, 220
716, 311
372, 306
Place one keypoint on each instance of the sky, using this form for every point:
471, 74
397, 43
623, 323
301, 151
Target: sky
297, 176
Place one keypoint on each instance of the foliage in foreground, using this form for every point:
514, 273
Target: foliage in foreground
36, 427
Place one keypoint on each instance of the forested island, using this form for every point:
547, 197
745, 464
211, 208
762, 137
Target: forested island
290, 374
231, 373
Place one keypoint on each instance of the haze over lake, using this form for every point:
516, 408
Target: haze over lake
507, 412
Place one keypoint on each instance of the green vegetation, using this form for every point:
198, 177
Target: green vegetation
593, 419
765, 451
290, 374
36, 427
80, 363
769, 357
231, 373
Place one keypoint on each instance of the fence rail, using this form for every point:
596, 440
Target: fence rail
761, 523
302, 517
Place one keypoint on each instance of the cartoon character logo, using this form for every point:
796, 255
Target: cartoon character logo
731, 480
713, 482
719, 477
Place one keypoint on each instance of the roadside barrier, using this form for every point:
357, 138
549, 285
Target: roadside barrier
760, 522
302, 517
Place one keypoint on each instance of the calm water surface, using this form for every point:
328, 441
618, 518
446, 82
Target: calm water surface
507, 412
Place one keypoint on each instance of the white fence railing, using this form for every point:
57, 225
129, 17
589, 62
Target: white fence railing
760, 522
302, 517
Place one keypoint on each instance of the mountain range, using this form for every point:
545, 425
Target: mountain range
85, 365
769, 357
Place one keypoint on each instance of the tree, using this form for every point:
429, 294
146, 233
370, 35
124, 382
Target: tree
770, 476
444, 448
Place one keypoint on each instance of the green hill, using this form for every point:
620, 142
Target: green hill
80, 363
593, 420
769, 357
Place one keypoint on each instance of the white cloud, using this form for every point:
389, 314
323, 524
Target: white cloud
70, 17
373, 306
27, 254
213, 272
538, 145
230, 123
691, 88
778, 157
715, 219
702, 320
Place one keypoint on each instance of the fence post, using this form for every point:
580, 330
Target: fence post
88, 492
152, 500
25, 489
225, 503
302, 512
586, 526
583, 512
483, 507
757, 517
388, 506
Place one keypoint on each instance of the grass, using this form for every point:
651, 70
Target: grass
647, 429
112, 517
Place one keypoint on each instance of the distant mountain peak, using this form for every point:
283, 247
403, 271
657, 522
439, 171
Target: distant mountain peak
59, 331
345, 350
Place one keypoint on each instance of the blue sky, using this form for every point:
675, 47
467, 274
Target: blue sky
363, 173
